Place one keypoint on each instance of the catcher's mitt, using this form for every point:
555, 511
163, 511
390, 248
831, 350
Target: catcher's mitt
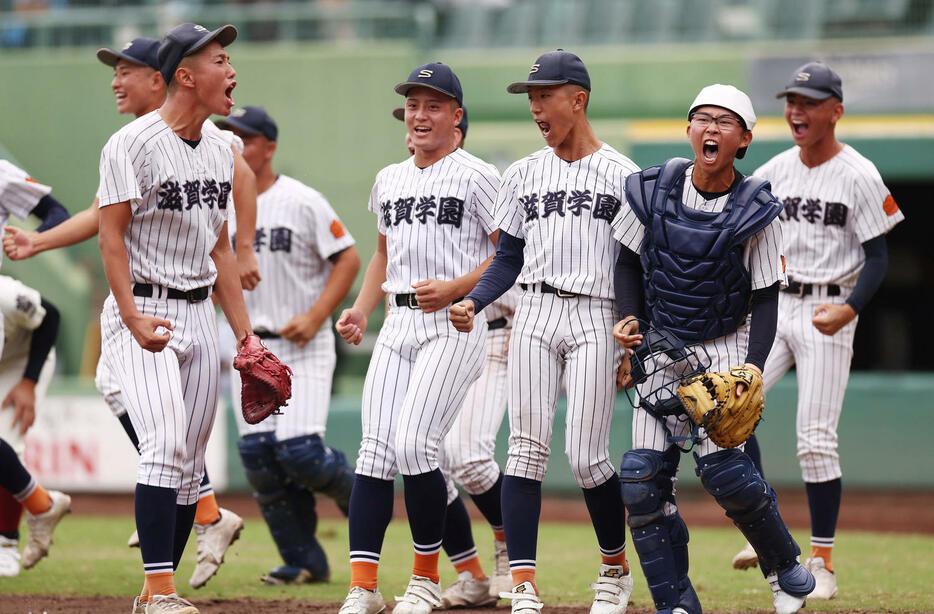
266, 382
711, 402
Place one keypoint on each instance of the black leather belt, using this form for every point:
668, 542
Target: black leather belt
192, 296
496, 324
799, 289
265, 334
549, 289
409, 300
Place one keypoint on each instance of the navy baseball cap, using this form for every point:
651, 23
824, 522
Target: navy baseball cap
187, 39
436, 76
554, 68
141, 51
250, 120
815, 80
399, 113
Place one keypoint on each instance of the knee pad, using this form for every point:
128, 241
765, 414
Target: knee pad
731, 477
645, 480
317, 467
259, 462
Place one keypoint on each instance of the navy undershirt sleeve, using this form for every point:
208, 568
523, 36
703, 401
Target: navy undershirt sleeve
43, 340
870, 278
502, 272
627, 279
764, 322
50, 211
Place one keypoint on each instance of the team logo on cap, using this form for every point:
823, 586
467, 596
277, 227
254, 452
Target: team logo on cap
534, 68
425, 74
127, 46
238, 113
803, 76
200, 28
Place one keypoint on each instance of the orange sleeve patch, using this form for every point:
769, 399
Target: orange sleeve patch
889, 206
337, 229
783, 264
31, 180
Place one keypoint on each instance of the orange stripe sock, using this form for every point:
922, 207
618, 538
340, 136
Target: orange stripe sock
207, 511
363, 574
473, 566
426, 565
824, 553
145, 593
617, 559
37, 502
500, 535
524, 575
161, 583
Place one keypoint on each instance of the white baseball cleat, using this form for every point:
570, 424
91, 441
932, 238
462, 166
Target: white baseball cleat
745, 558
41, 527
826, 580
133, 542
467, 592
524, 599
784, 603
421, 597
9, 557
213, 542
139, 607
501, 580
170, 604
611, 590
362, 601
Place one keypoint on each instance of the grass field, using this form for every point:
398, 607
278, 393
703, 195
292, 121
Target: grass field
877, 572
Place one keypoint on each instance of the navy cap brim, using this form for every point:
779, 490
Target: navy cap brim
228, 123
522, 87
223, 35
404, 87
806, 91
110, 58
399, 113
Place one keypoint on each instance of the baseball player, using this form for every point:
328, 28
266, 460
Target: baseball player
435, 228
837, 212
554, 212
308, 263
26, 366
696, 234
468, 455
164, 193
140, 89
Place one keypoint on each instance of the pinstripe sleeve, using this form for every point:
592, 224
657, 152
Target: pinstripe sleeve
19, 193
876, 211
507, 211
118, 171
764, 256
331, 236
486, 187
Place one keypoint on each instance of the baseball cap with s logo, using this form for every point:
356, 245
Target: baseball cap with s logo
437, 76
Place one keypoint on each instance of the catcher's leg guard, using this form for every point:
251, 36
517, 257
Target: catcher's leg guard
646, 486
317, 467
289, 510
678, 532
731, 477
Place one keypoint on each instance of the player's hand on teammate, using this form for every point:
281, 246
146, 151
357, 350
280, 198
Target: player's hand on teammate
433, 294
22, 398
461, 316
19, 244
626, 333
829, 317
302, 328
248, 268
351, 325
145, 330
623, 378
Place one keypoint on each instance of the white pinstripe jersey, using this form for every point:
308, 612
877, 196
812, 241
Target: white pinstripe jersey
437, 220
227, 136
563, 211
178, 195
296, 232
762, 257
22, 312
505, 305
19, 193
829, 211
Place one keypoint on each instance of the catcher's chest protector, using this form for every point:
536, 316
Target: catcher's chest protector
695, 282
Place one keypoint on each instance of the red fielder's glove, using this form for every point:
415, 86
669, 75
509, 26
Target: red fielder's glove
266, 382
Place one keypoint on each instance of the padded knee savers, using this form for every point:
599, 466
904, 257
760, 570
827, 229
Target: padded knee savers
732, 479
317, 467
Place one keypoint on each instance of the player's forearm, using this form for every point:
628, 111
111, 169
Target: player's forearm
501, 274
871, 276
114, 221
42, 342
244, 194
80, 227
229, 293
371, 292
763, 324
343, 274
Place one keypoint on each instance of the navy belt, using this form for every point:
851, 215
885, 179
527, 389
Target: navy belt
192, 296
799, 289
265, 334
549, 289
496, 324
409, 300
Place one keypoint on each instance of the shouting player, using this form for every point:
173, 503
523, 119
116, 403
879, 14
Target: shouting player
164, 193
836, 213
308, 262
434, 213
554, 212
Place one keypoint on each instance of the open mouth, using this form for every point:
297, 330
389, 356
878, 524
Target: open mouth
121, 96
799, 128
422, 130
545, 127
711, 149
229, 93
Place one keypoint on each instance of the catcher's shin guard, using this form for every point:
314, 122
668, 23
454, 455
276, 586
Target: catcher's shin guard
731, 477
646, 486
678, 533
317, 467
287, 508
